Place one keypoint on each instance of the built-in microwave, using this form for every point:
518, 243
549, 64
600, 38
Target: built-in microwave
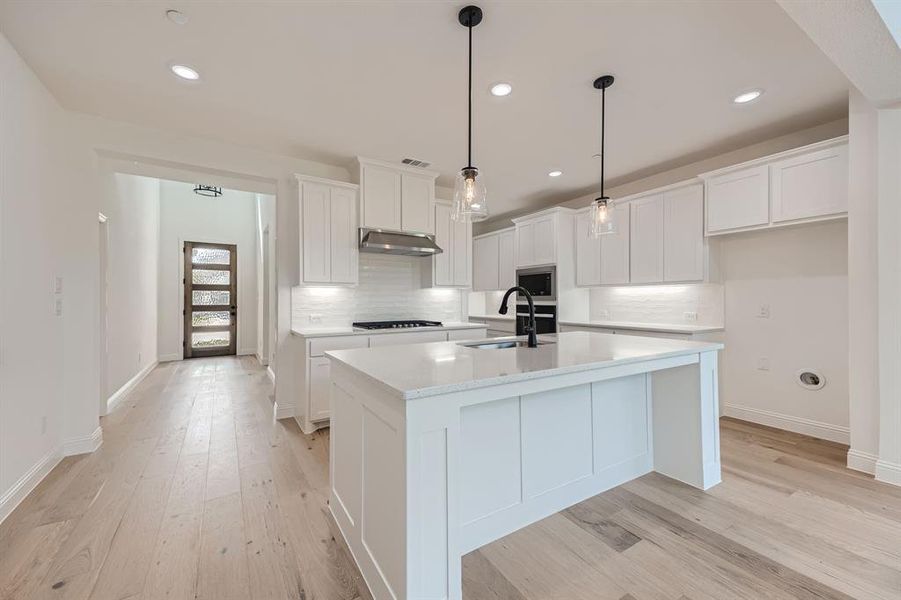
541, 282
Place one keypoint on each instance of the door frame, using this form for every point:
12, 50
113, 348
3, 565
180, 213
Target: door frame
188, 307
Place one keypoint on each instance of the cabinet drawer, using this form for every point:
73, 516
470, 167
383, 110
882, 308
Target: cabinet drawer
408, 337
348, 342
466, 334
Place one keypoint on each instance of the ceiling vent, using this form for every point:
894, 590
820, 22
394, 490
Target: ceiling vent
415, 162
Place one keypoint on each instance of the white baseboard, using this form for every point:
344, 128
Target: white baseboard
83, 445
120, 394
271, 374
169, 357
862, 461
262, 359
27, 482
247, 352
283, 412
817, 429
888, 472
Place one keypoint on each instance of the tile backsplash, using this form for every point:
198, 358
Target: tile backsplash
390, 288
658, 303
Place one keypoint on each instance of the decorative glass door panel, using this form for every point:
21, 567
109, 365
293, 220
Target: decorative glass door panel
211, 299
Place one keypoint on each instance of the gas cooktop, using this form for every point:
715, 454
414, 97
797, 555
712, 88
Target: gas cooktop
395, 324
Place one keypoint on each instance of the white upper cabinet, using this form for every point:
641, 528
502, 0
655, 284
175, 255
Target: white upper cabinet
536, 240
506, 261
396, 197
492, 261
588, 251
486, 263
615, 248
646, 241
450, 268
804, 184
810, 185
683, 234
328, 227
738, 199
417, 199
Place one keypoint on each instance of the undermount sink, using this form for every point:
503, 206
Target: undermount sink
500, 344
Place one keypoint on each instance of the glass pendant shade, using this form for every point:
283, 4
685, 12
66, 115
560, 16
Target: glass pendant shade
601, 218
470, 197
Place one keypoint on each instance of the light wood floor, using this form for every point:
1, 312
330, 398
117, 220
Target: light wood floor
198, 493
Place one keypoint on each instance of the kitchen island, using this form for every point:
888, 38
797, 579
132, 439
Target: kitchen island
438, 449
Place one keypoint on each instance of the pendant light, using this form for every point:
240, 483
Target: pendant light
601, 214
470, 196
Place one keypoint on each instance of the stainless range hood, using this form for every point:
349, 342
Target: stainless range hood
382, 241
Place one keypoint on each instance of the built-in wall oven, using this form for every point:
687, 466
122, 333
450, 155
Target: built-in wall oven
541, 283
545, 318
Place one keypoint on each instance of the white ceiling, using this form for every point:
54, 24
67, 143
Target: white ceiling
329, 81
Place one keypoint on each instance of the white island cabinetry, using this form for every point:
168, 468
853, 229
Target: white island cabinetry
439, 449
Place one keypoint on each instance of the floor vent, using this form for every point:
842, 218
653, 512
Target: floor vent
415, 162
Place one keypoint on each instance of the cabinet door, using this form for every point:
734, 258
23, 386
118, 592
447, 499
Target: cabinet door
380, 189
417, 196
525, 244
506, 267
443, 267
683, 234
615, 248
461, 252
646, 240
315, 217
320, 384
738, 199
485, 263
588, 252
343, 235
545, 241
811, 185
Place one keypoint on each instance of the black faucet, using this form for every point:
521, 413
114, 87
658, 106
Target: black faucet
530, 329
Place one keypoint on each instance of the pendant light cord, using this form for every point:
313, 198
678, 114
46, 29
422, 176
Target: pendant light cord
603, 110
469, 134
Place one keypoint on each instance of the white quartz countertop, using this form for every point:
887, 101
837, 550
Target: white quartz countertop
420, 370
311, 332
638, 326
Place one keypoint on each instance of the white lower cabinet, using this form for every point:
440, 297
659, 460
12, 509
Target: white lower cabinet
313, 408
319, 384
635, 332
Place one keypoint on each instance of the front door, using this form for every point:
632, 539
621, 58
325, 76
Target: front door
211, 300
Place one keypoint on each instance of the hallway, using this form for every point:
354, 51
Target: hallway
198, 493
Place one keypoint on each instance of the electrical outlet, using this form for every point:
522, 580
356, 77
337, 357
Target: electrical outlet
604, 314
315, 318
763, 364
690, 316
763, 311
58, 307
58, 285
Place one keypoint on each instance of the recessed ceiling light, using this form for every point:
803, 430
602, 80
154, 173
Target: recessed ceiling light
501, 89
748, 96
555, 174
176, 16
185, 72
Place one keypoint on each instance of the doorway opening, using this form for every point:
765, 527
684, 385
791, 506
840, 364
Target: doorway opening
211, 299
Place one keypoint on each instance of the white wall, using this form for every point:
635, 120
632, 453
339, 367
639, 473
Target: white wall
189, 217
132, 206
266, 276
801, 274
863, 323
390, 288
49, 394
